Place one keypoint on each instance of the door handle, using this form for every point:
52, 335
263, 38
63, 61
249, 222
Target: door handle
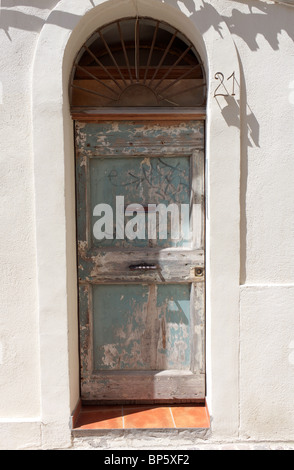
143, 267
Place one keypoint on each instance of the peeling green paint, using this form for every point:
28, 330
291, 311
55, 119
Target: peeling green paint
119, 321
139, 327
140, 323
174, 307
142, 181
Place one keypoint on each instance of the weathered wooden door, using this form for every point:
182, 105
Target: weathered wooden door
140, 212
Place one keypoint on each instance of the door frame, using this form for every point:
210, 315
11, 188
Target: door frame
160, 115
53, 150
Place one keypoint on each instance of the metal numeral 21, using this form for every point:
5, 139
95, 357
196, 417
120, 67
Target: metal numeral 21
220, 76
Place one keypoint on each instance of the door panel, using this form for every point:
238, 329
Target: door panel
141, 327
120, 327
143, 180
141, 300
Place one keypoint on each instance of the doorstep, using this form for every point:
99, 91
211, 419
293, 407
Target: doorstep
88, 420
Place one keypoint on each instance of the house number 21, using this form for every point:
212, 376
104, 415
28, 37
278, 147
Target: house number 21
220, 76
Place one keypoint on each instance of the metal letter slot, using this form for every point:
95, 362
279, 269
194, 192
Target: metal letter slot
143, 267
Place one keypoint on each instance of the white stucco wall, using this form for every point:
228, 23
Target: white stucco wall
250, 385
265, 46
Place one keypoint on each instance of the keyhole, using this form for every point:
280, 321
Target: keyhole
199, 272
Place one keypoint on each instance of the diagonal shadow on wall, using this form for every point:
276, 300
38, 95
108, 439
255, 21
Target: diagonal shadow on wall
262, 17
27, 22
47, 4
12, 18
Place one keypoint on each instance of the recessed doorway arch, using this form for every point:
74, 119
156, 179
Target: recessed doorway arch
53, 168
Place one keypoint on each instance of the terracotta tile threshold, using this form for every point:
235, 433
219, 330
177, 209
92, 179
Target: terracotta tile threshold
142, 417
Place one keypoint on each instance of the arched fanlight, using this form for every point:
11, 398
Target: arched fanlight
137, 62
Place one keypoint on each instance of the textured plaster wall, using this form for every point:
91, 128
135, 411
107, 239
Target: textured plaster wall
263, 34
267, 365
19, 359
